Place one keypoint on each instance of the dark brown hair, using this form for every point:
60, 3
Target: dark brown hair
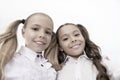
91, 49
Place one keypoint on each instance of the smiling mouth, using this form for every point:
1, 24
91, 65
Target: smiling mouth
75, 46
40, 42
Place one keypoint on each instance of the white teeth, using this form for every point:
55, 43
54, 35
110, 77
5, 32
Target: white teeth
39, 42
76, 46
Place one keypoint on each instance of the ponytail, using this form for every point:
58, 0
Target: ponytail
51, 53
93, 52
102, 74
8, 45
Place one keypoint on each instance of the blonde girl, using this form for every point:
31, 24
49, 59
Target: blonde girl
37, 59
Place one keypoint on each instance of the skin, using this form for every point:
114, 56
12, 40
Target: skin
38, 32
71, 41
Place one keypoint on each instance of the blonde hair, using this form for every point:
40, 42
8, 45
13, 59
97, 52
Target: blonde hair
8, 46
51, 53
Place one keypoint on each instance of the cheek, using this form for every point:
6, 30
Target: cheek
49, 39
63, 45
27, 35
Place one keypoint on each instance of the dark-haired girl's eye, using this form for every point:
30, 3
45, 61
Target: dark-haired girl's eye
64, 39
77, 34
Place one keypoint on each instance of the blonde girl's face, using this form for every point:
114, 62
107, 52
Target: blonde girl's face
71, 40
38, 32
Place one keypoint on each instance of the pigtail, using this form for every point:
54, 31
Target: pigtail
102, 74
93, 52
8, 46
51, 53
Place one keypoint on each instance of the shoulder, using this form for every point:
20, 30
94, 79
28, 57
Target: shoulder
14, 64
15, 60
14, 67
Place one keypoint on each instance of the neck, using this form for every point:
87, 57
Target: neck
39, 52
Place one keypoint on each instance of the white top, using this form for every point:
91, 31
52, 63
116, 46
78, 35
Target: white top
25, 65
83, 69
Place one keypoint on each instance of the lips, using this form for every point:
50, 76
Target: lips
40, 42
75, 46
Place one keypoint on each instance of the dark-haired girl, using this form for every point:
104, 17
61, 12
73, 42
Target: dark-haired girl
80, 57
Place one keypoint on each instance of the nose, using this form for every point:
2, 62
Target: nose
73, 39
41, 34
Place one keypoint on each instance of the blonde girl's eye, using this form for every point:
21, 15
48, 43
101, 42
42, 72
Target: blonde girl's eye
35, 29
48, 32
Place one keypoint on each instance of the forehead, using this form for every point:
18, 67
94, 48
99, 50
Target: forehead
41, 20
68, 29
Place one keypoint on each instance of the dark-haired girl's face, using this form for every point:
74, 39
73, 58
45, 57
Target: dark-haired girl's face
71, 40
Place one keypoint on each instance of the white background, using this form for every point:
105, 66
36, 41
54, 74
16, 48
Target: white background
100, 17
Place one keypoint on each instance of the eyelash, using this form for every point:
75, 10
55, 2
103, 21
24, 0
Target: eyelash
35, 29
65, 39
47, 32
77, 34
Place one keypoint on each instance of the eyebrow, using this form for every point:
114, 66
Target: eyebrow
63, 35
36, 25
49, 29
76, 31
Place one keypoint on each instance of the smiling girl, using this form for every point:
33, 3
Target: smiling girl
80, 57
34, 61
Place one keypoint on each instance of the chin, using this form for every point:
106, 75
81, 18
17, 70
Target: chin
38, 51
